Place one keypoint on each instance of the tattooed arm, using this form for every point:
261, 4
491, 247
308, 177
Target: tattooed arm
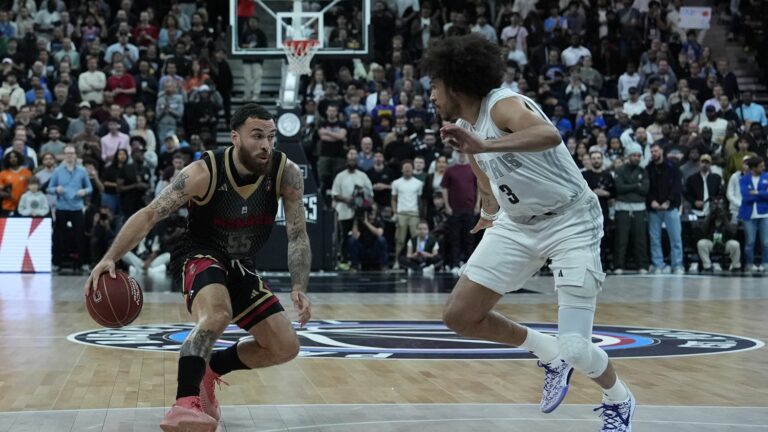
191, 181
299, 253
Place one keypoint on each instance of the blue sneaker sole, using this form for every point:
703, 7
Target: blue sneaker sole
563, 393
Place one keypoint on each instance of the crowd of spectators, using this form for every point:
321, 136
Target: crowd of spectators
101, 103
655, 120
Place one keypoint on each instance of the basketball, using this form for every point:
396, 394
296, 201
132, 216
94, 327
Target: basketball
115, 302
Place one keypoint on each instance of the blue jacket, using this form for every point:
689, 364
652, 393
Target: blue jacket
748, 201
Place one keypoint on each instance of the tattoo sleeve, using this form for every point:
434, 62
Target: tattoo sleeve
171, 198
299, 253
199, 343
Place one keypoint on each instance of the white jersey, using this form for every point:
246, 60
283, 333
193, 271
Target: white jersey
525, 183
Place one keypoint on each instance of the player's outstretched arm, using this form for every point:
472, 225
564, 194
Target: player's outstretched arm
191, 181
532, 131
299, 252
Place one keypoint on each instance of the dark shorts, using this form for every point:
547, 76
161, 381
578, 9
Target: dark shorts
252, 300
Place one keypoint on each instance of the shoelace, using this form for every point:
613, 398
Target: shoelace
611, 416
549, 376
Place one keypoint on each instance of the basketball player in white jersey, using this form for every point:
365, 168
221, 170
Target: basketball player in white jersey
535, 206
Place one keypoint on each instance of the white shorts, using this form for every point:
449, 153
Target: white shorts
511, 252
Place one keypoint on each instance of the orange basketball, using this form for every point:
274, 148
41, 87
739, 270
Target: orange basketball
115, 302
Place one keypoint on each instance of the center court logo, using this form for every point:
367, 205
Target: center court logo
429, 340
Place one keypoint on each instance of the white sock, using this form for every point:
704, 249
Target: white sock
542, 346
617, 393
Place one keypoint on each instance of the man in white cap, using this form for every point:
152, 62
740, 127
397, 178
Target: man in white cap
631, 216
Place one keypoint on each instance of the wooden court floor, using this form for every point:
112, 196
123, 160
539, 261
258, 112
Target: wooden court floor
43, 371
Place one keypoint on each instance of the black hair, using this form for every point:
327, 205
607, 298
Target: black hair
19, 157
754, 162
466, 64
247, 111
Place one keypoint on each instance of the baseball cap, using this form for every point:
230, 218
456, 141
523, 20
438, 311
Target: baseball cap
705, 158
8, 60
711, 108
85, 104
633, 90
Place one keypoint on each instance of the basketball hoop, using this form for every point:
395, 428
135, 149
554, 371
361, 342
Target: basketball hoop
300, 53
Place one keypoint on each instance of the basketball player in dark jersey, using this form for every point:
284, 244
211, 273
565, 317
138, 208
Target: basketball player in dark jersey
233, 197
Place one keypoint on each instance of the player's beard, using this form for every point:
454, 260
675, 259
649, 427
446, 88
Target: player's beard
253, 164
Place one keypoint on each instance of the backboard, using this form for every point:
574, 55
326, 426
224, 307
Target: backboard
296, 19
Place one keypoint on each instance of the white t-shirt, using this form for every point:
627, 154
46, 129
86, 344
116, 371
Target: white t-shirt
407, 193
344, 186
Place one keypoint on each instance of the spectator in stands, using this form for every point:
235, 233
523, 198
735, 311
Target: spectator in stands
735, 161
683, 109
715, 124
70, 183
719, 235
122, 85
642, 138
13, 181
701, 189
754, 212
485, 30
727, 112
600, 181
664, 200
381, 177
631, 216
591, 76
133, 182
367, 244
459, 189
628, 80
647, 116
406, 205
92, 82
204, 113
424, 29
351, 193
634, 106
332, 134
422, 252
33, 202
750, 112
727, 80
572, 55
54, 145
734, 189
113, 141
11, 90
365, 155
170, 108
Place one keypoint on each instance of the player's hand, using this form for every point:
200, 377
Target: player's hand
481, 224
462, 140
105, 265
302, 306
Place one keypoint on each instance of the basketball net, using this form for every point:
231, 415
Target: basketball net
300, 53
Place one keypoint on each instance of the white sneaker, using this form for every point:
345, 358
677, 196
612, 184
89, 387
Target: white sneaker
760, 268
735, 267
396, 266
751, 268
694, 268
656, 271
616, 417
666, 270
643, 271
679, 271
455, 271
618, 272
411, 272
430, 269
717, 267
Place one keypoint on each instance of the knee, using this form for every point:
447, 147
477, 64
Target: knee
457, 319
582, 354
701, 244
216, 320
286, 350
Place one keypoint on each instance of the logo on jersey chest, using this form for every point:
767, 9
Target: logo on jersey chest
242, 222
500, 166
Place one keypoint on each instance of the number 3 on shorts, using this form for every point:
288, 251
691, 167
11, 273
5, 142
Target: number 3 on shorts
510, 195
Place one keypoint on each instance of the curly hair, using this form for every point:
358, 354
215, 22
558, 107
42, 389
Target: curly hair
466, 64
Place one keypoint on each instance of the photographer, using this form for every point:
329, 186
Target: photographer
719, 234
423, 252
351, 190
367, 245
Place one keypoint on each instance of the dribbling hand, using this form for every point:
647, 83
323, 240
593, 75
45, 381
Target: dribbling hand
302, 307
481, 224
462, 140
105, 265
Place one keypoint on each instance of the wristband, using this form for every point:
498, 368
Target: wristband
489, 216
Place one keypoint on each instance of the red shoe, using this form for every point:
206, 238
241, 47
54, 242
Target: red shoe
208, 393
187, 415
